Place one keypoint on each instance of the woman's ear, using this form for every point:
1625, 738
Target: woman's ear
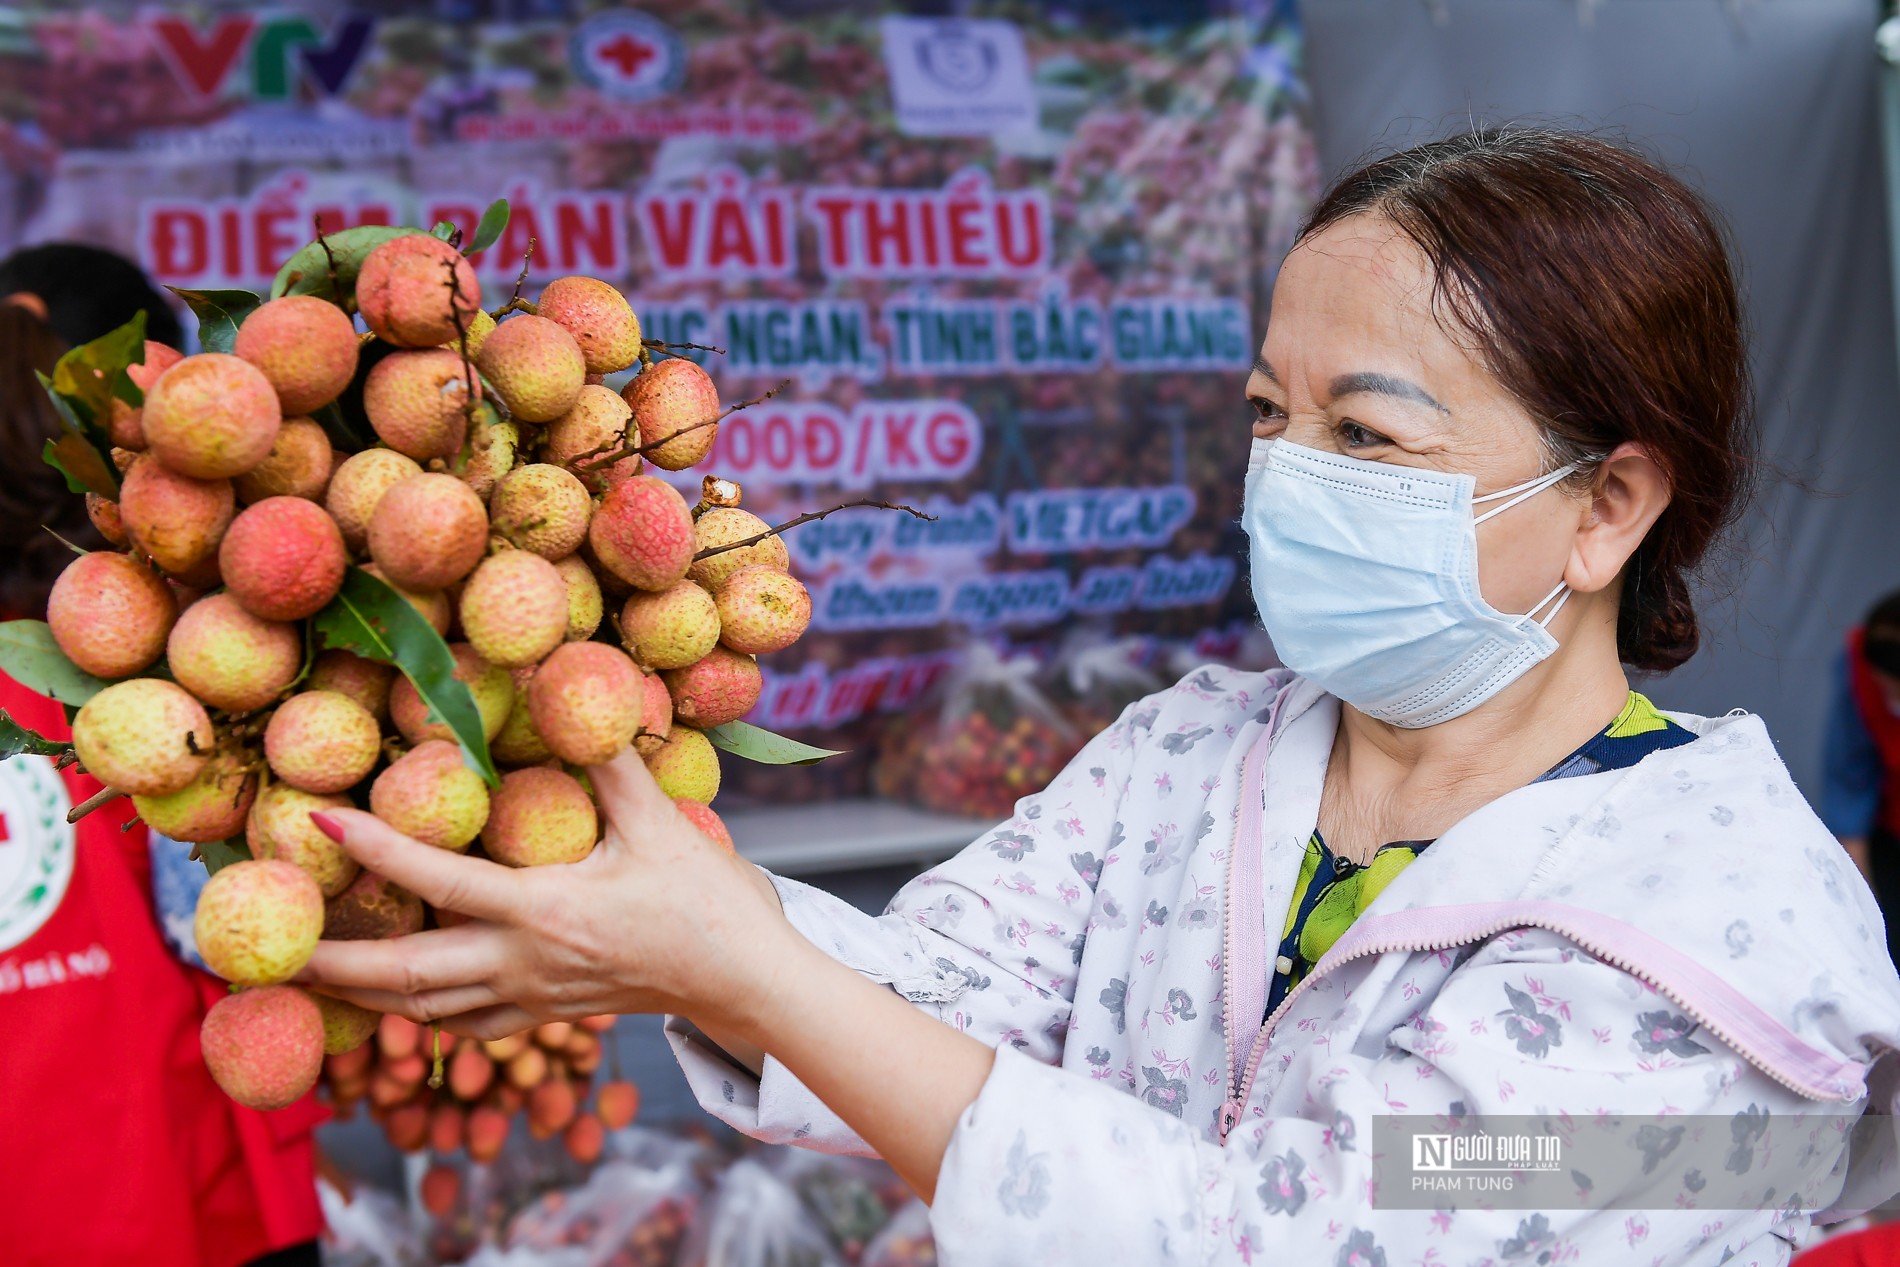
1630, 493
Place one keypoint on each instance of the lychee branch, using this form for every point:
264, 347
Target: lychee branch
461, 344
810, 517
515, 302
103, 796
664, 346
336, 287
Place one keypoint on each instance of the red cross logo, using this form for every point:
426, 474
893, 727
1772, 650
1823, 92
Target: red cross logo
626, 54
4, 835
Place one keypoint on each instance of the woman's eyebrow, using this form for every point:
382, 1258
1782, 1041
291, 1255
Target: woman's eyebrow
1384, 385
1260, 366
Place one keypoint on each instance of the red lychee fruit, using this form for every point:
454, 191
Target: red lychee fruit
361, 680
258, 921
686, 766
305, 346
643, 533
125, 423
298, 466
585, 701
231, 659
721, 687
599, 318
211, 416
540, 817
584, 603
762, 610
514, 608
675, 405
405, 295
541, 508
264, 1047
145, 737
283, 558
599, 423
175, 519
535, 365
418, 402
585, 1139
618, 1103
428, 532
322, 741
670, 629
110, 614
430, 794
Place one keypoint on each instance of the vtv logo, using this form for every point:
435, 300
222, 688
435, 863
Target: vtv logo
278, 47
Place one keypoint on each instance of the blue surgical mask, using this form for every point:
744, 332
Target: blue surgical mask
1366, 577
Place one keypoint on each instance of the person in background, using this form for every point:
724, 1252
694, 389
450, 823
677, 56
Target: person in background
1860, 791
119, 1147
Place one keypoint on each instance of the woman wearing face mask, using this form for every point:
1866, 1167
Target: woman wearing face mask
1446, 864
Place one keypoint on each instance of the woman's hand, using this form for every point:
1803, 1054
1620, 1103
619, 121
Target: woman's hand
657, 919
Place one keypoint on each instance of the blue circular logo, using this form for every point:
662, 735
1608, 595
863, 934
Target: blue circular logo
628, 55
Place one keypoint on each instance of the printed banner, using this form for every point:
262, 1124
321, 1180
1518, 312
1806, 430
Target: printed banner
1011, 267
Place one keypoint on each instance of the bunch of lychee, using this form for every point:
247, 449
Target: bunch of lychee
546, 1073
504, 496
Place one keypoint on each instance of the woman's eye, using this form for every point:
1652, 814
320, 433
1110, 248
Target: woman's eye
1265, 410
1358, 437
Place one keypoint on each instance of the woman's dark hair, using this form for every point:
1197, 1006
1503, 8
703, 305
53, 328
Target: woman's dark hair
87, 292
1599, 291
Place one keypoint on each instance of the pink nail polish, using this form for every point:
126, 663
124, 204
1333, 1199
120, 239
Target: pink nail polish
327, 825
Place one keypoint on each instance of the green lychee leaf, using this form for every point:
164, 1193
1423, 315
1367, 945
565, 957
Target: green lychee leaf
82, 386
757, 744
90, 375
444, 230
220, 313
80, 463
16, 740
219, 854
308, 271
374, 621
30, 657
489, 228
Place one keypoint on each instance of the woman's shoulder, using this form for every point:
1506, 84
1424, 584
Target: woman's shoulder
1211, 694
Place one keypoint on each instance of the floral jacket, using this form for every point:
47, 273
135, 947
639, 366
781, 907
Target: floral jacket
1679, 937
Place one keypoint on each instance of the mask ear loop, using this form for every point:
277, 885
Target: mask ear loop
1524, 492
1561, 593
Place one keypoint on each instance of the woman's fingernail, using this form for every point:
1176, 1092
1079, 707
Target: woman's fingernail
327, 825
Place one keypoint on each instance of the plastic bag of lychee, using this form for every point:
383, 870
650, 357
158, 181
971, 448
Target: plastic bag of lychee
377, 546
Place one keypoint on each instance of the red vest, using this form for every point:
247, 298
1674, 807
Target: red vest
116, 1147
1882, 725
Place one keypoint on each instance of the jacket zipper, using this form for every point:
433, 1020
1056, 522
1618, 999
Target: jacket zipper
1232, 1110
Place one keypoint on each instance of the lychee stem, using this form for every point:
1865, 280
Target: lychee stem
93, 802
435, 1074
809, 517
